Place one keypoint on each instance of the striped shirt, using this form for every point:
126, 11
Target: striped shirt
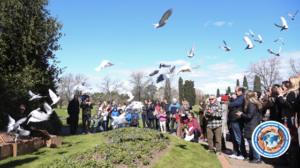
215, 118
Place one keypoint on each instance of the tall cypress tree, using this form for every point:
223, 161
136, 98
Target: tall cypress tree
257, 83
187, 90
193, 94
28, 39
168, 90
181, 89
237, 82
228, 90
245, 83
218, 92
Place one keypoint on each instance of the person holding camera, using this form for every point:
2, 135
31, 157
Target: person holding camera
86, 114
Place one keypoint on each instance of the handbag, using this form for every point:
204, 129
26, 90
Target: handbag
68, 120
155, 112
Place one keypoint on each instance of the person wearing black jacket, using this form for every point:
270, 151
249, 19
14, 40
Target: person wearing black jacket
144, 114
73, 111
251, 118
165, 105
150, 109
86, 114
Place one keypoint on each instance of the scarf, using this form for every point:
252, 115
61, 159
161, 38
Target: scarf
212, 105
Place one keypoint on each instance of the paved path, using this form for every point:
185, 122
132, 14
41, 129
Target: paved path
235, 163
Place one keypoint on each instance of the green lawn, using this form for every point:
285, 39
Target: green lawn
181, 154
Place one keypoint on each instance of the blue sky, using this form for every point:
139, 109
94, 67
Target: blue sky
121, 32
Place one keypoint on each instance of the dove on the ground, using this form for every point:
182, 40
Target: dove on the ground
35, 96
249, 43
284, 24
163, 21
191, 53
279, 39
226, 48
250, 34
293, 17
276, 54
260, 39
104, 64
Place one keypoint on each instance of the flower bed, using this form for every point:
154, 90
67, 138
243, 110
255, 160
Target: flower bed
132, 147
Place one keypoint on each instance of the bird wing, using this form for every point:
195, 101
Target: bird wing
192, 50
247, 40
283, 21
270, 51
259, 37
48, 108
86, 84
277, 25
52, 95
257, 40
154, 73
30, 93
290, 15
11, 121
224, 42
247, 33
186, 70
172, 70
32, 119
222, 48
276, 40
187, 52
195, 67
296, 13
279, 50
109, 64
23, 132
40, 115
98, 68
166, 16
251, 31
21, 120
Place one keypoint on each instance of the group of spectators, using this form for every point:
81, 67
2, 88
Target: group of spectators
240, 113
244, 111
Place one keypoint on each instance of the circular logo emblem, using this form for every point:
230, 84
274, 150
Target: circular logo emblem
271, 139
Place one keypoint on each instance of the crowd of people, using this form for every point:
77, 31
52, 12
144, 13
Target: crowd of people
239, 113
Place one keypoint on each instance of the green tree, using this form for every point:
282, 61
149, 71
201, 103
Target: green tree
28, 39
193, 94
257, 84
229, 90
245, 83
181, 90
149, 91
218, 93
237, 82
168, 90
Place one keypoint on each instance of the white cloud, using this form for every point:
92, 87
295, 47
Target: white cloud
207, 23
223, 66
211, 57
212, 87
220, 23
230, 23
236, 76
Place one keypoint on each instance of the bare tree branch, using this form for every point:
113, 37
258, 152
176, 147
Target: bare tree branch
267, 69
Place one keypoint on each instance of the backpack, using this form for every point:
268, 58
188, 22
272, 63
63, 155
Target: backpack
134, 120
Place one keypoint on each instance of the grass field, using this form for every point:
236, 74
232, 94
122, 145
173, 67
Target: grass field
182, 154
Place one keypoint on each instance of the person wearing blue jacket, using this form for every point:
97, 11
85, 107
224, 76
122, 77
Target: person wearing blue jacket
237, 125
114, 113
173, 109
128, 118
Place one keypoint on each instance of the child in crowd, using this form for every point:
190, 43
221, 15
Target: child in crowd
83, 97
128, 118
135, 118
162, 120
104, 115
114, 113
95, 122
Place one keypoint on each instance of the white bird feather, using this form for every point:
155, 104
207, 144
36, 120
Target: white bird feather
104, 64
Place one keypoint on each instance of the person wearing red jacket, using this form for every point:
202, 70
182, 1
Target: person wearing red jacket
192, 122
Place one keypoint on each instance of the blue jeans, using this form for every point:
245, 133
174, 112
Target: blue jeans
104, 125
238, 138
151, 123
252, 152
145, 120
121, 126
172, 124
95, 129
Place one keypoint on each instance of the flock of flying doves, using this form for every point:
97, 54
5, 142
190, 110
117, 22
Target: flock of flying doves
187, 68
